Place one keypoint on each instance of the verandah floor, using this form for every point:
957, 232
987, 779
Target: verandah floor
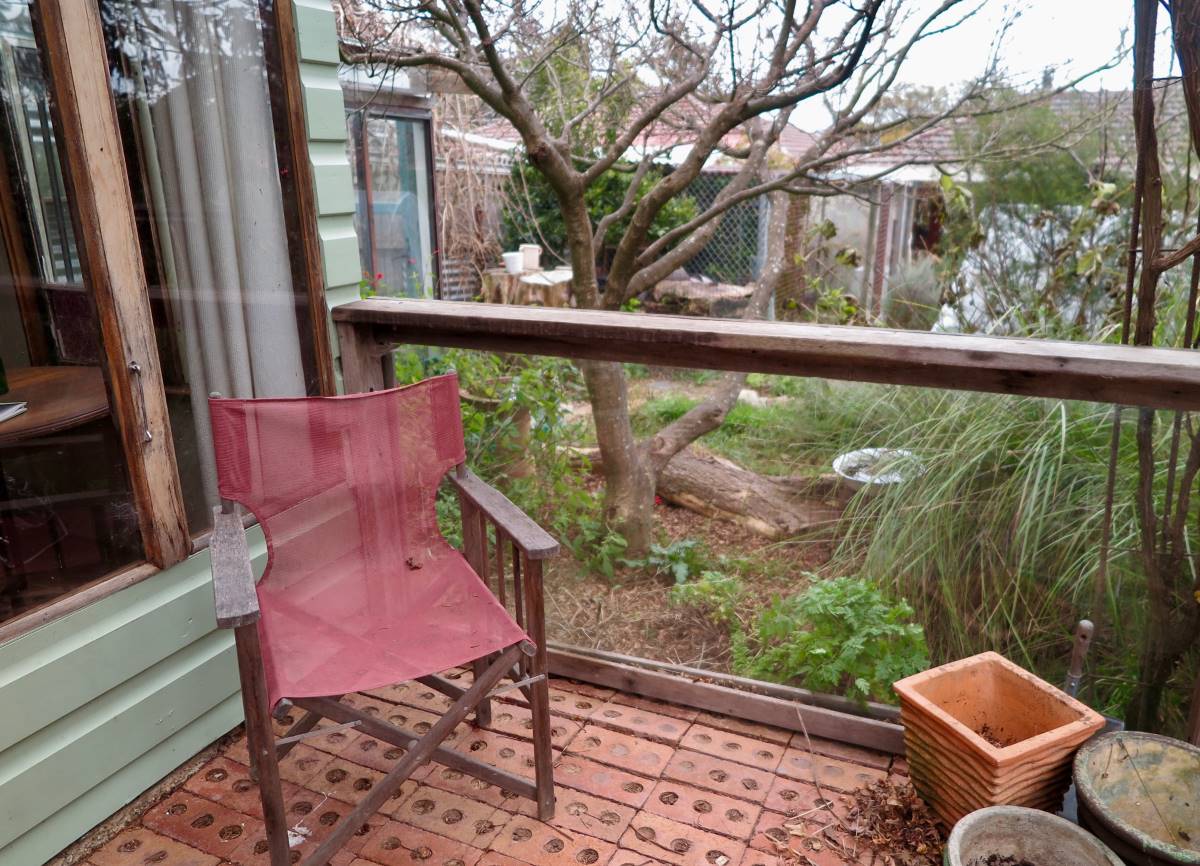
639, 783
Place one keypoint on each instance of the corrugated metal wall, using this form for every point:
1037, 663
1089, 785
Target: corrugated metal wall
97, 706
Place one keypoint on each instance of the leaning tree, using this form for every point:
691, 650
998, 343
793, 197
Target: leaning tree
592, 87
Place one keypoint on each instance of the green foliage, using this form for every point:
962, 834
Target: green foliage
538, 217
719, 595
679, 560
841, 636
497, 391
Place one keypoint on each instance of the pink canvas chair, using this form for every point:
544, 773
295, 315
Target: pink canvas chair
361, 590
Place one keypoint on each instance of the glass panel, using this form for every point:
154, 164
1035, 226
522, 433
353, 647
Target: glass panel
191, 82
393, 213
66, 510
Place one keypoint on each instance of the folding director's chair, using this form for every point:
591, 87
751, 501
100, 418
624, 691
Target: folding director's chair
361, 590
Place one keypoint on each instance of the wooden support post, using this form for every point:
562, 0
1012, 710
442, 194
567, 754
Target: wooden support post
362, 360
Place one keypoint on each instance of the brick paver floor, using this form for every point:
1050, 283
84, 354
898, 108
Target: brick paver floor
640, 783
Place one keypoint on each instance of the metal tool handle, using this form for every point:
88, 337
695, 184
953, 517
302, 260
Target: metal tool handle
1079, 650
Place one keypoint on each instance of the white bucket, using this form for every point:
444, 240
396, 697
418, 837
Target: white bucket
531, 257
513, 262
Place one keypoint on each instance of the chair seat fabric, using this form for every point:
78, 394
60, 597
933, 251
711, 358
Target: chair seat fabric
372, 633
360, 590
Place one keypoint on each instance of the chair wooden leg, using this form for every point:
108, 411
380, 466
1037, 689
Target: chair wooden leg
483, 710
539, 692
261, 741
543, 756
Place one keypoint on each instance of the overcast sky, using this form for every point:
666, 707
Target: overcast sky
1071, 35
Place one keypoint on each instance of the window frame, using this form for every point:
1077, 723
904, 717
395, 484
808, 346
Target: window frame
92, 152
380, 104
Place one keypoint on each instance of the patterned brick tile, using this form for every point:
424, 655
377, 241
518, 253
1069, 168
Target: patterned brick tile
303, 763
563, 702
719, 775
599, 692
704, 809
531, 841
643, 722
506, 753
334, 741
495, 858
776, 836
831, 772
452, 815
517, 721
342, 780
138, 845
458, 782
607, 782
678, 843
228, 783
312, 818
201, 824
396, 844
621, 750
734, 747
370, 752
801, 799
688, 714
625, 857
746, 729
845, 751
582, 813
414, 694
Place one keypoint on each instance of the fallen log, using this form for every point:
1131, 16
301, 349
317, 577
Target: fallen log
772, 506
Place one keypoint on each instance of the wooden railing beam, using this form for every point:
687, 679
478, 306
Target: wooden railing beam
1126, 375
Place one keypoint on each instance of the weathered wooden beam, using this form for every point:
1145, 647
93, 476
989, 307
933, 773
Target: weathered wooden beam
1134, 376
791, 715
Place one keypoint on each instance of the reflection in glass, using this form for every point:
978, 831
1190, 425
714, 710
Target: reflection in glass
66, 510
390, 156
191, 82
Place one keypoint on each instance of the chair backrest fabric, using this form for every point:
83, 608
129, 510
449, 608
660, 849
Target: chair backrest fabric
342, 485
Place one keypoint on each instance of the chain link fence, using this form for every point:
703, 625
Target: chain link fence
738, 249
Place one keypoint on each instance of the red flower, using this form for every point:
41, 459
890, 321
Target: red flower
658, 500
379, 276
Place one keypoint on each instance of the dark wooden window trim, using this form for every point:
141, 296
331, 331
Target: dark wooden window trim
90, 148
281, 44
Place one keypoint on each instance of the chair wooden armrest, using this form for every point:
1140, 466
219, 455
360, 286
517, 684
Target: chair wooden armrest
533, 541
233, 578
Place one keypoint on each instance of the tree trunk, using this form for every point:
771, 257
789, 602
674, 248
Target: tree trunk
790, 297
1154, 673
771, 507
628, 475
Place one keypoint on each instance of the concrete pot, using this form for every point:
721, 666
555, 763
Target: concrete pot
984, 732
1140, 794
1028, 836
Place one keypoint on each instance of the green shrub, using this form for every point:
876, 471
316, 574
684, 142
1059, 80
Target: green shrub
718, 595
837, 636
679, 559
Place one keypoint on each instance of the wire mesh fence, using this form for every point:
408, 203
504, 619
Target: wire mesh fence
737, 250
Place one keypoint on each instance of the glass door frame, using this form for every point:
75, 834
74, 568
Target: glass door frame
70, 36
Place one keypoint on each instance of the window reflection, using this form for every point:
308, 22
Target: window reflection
391, 160
66, 511
191, 82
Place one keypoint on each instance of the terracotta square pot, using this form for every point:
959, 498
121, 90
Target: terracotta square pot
984, 732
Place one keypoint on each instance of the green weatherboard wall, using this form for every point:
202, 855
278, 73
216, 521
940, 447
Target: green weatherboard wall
98, 705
